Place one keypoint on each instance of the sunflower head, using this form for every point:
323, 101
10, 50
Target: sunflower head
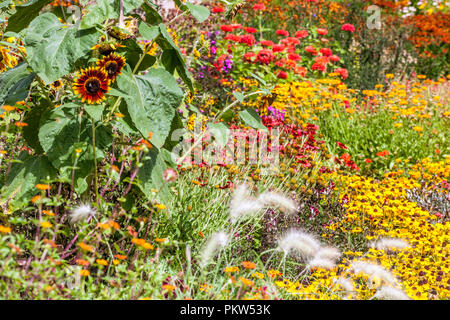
7, 59
112, 64
92, 84
56, 85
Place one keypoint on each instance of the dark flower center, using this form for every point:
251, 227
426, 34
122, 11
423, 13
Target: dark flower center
112, 68
92, 86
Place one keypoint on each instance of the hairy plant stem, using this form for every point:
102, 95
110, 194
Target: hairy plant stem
95, 162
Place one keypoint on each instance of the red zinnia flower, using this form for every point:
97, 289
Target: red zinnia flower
266, 43
301, 34
294, 57
368, 160
341, 145
217, 10
342, 72
278, 48
283, 33
259, 6
319, 66
348, 27
226, 28
249, 39
282, 75
334, 58
265, 56
326, 52
322, 31
250, 30
311, 49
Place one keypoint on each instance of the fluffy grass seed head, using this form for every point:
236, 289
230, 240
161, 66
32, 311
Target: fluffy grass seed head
389, 293
374, 271
276, 199
389, 243
298, 241
217, 241
81, 213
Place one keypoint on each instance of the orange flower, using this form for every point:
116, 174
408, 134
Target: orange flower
383, 153
48, 213
102, 262
21, 124
273, 273
46, 224
120, 256
138, 242
8, 108
43, 186
160, 239
112, 64
82, 262
51, 243
169, 287
85, 273
148, 246
246, 282
231, 269
5, 229
248, 265
86, 247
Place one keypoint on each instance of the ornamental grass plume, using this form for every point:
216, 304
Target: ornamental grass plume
217, 241
346, 283
328, 253
276, 199
389, 243
81, 213
374, 271
242, 203
301, 242
389, 293
318, 262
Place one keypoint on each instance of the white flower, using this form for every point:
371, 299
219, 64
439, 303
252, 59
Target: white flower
217, 241
389, 293
80, 213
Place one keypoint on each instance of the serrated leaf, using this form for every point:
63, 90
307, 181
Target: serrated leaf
23, 177
53, 48
15, 84
153, 100
25, 14
172, 58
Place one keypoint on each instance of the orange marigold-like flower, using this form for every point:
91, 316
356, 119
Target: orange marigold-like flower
248, 265
86, 247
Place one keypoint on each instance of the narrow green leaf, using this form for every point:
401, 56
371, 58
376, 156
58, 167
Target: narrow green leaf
252, 119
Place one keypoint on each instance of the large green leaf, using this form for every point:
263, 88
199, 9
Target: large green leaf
251, 118
132, 52
53, 48
33, 118
199, 12
153, 99
220, 132
14, 84
151, 14
150, 175
23, 177
106, 9
172, 57
62, 133
25, 14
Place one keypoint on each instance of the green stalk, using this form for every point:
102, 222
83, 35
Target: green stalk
95, 161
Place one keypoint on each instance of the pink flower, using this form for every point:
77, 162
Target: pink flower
342, 72
348, 27
334, 58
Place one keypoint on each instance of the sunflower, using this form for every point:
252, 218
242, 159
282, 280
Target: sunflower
92, 84
57, 85
113, 65
7, 60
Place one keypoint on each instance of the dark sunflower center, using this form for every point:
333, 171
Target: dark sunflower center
112, 68
57, 83
92, 86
